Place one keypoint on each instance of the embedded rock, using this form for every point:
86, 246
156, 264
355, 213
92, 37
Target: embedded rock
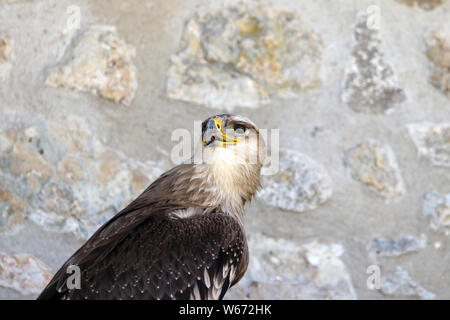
243, 55
437, 208
6, 52
423, 4
439, 54
282, 269
99, 62
374, 164
61, 177
300, 183
399, 283
369, 85
6, 45
405, 244
432, 141
24, 273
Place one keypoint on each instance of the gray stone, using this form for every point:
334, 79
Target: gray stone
399, 283
405, 244
61, 177
437, 208
374, 164
23, 273
369, 85
100, 62
281, 269
243, 55
439, 54
300, 183
432, 141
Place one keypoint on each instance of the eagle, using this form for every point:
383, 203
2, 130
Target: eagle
183, 237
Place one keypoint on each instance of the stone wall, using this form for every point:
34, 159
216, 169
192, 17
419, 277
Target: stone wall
91, 91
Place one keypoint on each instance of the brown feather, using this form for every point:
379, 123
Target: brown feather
177, 240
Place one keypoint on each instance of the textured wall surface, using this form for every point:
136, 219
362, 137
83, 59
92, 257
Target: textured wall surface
91, 91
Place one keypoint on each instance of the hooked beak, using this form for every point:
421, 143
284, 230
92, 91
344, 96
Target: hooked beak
214, 136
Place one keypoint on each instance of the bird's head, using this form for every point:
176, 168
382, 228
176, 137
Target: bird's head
232, 140
232, 155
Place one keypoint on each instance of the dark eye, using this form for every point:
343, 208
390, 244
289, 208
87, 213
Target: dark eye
239, 128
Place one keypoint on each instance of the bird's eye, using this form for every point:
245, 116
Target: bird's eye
239, 128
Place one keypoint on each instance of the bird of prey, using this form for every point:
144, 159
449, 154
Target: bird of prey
183, 237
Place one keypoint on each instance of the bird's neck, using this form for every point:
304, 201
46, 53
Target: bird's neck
228, 186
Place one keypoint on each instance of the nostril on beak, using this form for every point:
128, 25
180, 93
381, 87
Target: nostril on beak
211, 140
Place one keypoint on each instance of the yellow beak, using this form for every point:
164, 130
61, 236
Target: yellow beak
215, 136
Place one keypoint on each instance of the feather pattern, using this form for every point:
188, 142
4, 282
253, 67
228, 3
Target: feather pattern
151, 250
182, 238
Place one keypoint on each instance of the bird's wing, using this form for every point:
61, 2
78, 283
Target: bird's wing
165, 256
